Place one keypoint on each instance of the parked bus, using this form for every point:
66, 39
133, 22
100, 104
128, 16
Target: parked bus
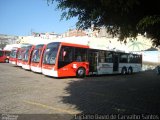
26, 59
13, 55
65, 59
20, 56
37, 58
17, 54
4, 56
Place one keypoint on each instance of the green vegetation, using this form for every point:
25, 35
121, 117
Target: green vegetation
125, 18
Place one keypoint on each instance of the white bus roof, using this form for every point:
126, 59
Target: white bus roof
13, 46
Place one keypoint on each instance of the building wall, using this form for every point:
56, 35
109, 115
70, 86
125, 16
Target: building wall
7, 39
47, 35
74, 33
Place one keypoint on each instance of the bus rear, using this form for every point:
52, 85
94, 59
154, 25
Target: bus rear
26, 60
37, 58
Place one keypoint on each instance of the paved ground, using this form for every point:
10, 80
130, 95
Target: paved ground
25, 92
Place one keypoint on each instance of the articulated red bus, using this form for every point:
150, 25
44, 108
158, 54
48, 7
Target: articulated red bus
4, 56
37, 58
64, 59
26, 59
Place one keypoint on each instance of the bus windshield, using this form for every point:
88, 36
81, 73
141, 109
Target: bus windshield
50, 53
26, 53
13, 53
37, 53
19, 55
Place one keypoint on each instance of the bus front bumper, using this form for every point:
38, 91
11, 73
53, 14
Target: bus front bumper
19, 64
27, 67
36, 69
51, 72
12, 62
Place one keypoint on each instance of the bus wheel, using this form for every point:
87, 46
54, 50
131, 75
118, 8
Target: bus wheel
81, 72
130, 70
6, 61
124, 71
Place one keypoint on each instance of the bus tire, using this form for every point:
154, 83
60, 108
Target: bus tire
130, 70
6, 60
124, 71
81, 72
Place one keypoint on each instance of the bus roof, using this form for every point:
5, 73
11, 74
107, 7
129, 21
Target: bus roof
69, 44
39, 46
74, 45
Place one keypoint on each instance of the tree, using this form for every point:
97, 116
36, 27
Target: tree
135, 45
125, 18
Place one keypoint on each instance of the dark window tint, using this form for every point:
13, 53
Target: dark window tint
133, 58
109, 57
123, 58
81, 54
66, 54
1, 53
7, 53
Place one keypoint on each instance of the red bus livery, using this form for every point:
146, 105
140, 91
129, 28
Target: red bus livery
4, 56
26, 59
13, 56
37, 58
20, 55
17, 54
58, 60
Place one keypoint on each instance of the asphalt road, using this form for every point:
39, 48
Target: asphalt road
29, 95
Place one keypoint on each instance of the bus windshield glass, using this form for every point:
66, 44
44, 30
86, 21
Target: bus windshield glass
26, 53
19, 55
50, 53
13, 53
37, 53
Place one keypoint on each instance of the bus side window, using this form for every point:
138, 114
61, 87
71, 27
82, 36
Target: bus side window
124, 58
66, 54
80, 54
130, 58
101, 56
7, 53
109, 57
1, 53
137, 59
79, 59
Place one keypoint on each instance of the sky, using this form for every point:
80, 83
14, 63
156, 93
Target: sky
20, 17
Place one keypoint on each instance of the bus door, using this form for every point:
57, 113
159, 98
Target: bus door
115, 62
93, 61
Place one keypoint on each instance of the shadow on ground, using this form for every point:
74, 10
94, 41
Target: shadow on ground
129, 94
